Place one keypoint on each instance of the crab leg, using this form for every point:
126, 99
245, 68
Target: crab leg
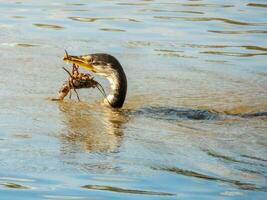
75, 69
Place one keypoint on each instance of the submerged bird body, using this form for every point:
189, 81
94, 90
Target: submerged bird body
108, 66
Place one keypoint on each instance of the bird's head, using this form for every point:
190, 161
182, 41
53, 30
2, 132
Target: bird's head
101, 64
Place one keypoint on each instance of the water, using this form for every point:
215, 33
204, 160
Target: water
195, 70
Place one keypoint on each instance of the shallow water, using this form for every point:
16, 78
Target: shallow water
194, 122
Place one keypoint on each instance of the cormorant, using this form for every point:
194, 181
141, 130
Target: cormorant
108, 66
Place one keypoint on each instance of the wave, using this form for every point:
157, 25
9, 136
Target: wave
180, 113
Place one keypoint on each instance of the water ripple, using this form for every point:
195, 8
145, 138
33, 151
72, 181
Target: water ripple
261, 5
254, 158
94, 19
75, 4
27, 45
14, 186
230, 159
172, 11
235, 54
189, 173
63, 197
239, 32
49, 26
207, 5
248, 47
19, 44
201, 5
18, 17
112, 29
123, 190
133, 4
262, 50
177, 113
75, 10
206, 19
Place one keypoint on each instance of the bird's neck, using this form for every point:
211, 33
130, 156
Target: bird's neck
118, 89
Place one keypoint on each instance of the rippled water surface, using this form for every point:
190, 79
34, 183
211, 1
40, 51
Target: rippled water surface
194, 122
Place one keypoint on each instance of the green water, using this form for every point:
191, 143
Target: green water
194, 70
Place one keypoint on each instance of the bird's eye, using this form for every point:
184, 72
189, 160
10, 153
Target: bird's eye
92, 61
95, 62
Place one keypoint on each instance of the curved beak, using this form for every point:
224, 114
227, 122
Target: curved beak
81, 61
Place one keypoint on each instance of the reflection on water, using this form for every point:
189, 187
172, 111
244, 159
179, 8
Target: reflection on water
93, 131
194, 122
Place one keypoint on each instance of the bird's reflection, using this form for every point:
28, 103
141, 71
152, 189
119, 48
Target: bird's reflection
91, 128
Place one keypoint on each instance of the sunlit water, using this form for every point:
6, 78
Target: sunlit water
194, 122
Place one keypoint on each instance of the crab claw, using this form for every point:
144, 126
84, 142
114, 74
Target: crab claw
67, 55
